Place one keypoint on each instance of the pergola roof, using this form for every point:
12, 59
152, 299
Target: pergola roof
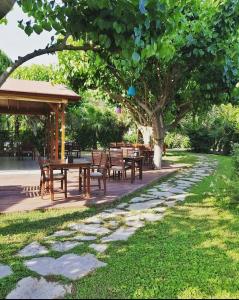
33, 97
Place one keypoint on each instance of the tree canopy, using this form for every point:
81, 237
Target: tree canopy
180, 56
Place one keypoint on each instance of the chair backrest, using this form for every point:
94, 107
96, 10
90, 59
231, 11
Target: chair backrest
104, 161
128, 152
96, 157
116, 157
43, 168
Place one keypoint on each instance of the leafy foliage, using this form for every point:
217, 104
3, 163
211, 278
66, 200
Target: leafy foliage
177, 140
4, 62
36, 72
91, 126
217, 130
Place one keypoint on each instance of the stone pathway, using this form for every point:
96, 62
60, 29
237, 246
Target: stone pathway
109, 226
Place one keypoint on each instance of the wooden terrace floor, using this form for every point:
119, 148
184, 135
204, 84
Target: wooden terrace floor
19, 187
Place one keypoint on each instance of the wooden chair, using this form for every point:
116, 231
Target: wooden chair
101, 173
45, 178
117, 163
96, 157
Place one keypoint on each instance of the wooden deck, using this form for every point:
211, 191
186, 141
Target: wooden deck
19, 187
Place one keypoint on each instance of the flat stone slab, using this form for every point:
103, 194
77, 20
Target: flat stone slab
145, 205
64, 246
138, 199
91, 229
113, 224
71, 266
151, 217
159, 209
61, 233
5, 271
85, 238
34, 249
178, 197
170, 203
93, 220
101, 248
135, 223
122, 205
33, 288
162, 194
121, 234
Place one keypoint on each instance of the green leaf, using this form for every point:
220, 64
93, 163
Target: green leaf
38, 29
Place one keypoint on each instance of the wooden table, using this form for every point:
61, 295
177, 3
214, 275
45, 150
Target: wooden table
133, 160
62, 164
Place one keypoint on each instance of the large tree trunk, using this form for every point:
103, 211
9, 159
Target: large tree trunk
5, 7
158, 135
147, 133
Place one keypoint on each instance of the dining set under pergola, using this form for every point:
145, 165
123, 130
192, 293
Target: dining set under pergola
34, 98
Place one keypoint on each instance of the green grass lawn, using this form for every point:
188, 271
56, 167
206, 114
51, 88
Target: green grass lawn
192, 253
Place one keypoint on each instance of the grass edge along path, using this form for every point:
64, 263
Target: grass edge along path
192, 253
109, 294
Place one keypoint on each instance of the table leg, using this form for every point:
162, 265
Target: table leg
80, 179
51, 184
133, 172
84, 182
88, 183
141, 169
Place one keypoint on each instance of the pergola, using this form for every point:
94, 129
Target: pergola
39, 98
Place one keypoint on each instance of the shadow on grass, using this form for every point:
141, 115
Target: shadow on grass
193, 253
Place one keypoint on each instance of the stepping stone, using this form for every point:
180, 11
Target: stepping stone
145, 205
177, 190
121, 234
34, 249
178, 197
153, 190
159, 209
61, 233
85, 238
99, 247
134, 223
170, 203
71, 266
139, 199
64, 246
93, 220
122, 205
33, 288
5, 271
163, 194
91, 229
150, 217
113, 224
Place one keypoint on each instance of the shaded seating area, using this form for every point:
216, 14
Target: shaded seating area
140, 149
122, 162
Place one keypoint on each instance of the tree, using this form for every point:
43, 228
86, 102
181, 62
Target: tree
36, 72
5, 62
176, 68
5, 7
165, 47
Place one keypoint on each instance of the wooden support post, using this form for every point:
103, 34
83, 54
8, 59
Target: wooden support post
48, 136
52, 137
63, 131
57, 134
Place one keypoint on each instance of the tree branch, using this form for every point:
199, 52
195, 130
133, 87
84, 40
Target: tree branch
48, 50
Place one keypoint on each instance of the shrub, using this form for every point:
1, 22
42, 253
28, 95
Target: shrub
177, 140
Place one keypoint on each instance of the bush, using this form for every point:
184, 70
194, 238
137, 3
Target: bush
91, 127
177, 140
235, 158
218, 130
200, 139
